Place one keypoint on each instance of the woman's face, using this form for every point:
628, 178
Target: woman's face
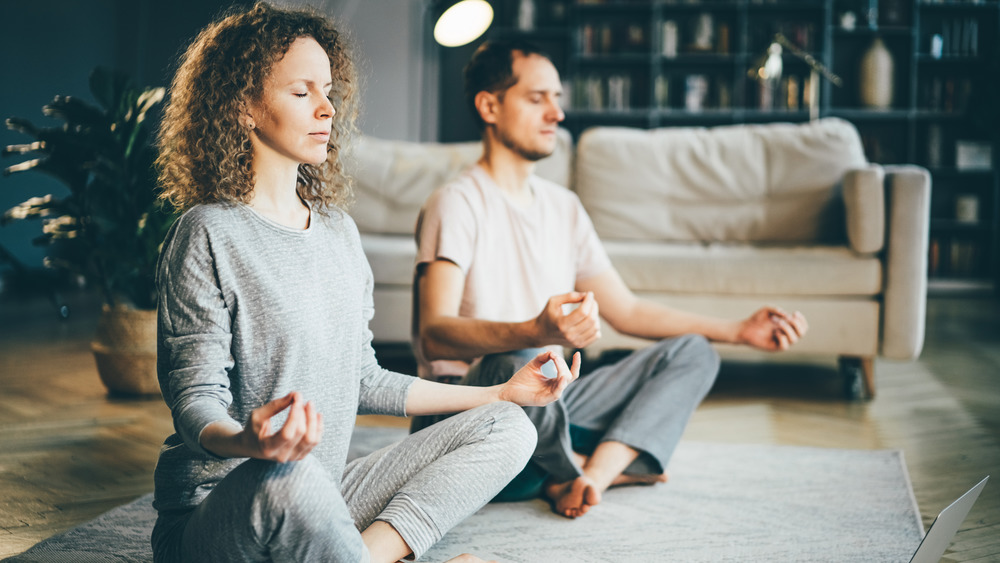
293, 118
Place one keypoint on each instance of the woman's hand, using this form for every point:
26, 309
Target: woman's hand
529, 387
302, 431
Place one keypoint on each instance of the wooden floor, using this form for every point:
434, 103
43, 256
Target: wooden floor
68, 452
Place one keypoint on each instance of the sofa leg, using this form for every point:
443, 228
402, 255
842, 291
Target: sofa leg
859, 377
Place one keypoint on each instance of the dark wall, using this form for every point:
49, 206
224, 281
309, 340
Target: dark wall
456, 121
49, 47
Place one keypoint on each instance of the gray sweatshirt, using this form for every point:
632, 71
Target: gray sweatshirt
250, 310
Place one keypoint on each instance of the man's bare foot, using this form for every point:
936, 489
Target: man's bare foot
573, 499
652, 479
468, 558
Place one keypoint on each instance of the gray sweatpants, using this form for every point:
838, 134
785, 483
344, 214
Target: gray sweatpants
643, 401
422, 486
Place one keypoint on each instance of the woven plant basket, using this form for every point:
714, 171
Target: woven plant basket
125, 350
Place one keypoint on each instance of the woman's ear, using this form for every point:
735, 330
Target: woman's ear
246, 117
488, 105
246, 120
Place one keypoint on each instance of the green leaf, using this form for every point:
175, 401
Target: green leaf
111, 226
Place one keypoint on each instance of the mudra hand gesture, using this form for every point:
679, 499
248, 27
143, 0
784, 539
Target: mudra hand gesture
770, 328
529, 387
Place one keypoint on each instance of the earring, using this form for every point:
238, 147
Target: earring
251, 125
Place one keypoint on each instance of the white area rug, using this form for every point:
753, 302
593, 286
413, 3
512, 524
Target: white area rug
724, 502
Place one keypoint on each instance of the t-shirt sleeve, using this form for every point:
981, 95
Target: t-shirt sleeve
194, 334
446, 229
591, 258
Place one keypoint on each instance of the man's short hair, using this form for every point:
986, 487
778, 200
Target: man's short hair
491, 69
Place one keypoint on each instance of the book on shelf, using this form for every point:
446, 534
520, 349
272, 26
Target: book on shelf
956, 257
619, 92
935, 141
945, 93
608, 39
959, 37
597, 93
784, 94
933, 257
661, 91
964, 258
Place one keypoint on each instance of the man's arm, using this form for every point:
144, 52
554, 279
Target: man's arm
769, 328
445, 335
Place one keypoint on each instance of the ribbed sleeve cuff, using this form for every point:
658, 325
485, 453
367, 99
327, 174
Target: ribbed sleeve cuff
385, 394
413, 524
194, 441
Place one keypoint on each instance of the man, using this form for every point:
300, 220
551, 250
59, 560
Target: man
503, 258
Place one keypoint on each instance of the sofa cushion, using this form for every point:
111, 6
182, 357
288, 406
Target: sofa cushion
756, 183
845, 327
393, 179
724, 269
391, 257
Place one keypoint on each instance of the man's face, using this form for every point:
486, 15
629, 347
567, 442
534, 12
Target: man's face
527, 114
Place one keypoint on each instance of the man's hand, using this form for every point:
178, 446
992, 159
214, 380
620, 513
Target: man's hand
301, 433
530, 388
576, 329
772, 329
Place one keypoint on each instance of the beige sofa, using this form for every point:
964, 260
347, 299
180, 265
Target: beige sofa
719, 221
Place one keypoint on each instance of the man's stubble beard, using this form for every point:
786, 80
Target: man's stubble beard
523, 152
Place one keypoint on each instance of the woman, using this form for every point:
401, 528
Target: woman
265, 355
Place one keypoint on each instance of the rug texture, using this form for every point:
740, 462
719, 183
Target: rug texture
724, 502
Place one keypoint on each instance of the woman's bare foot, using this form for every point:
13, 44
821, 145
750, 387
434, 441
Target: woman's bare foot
573, 499
651, 479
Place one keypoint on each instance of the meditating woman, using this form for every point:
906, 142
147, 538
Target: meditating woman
265, 354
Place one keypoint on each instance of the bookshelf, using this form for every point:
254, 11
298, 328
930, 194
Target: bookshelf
663, 63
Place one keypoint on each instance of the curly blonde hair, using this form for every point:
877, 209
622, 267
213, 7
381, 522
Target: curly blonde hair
205, 153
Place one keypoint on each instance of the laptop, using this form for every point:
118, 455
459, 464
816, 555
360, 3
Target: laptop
945, 526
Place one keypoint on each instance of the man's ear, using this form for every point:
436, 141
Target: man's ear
488, 105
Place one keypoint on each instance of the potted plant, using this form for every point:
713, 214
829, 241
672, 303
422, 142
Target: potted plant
109, 228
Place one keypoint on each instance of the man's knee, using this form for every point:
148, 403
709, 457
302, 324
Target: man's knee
494, 369
696, 350
698, 347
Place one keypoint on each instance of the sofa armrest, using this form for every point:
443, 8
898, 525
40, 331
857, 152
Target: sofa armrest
864, 205
908, 194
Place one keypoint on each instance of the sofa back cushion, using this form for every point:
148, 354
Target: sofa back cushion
393, 179
744, 183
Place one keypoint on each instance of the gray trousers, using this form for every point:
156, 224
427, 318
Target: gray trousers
295, 512
643, 401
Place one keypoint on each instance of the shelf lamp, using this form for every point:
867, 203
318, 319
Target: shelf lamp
768, 68
462, 22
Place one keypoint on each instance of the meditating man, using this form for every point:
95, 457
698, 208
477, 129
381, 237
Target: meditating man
509, 262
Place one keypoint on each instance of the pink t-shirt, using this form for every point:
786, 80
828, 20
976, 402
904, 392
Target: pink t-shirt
514, 258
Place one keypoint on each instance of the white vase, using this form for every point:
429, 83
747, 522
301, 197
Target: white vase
876, 76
